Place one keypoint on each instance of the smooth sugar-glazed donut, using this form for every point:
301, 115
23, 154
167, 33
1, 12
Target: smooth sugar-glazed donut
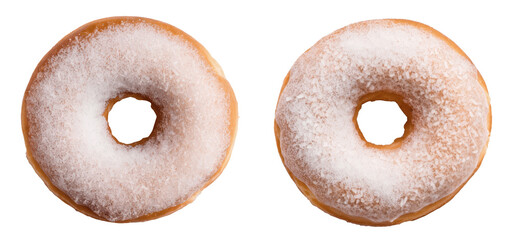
436, 86
68, 140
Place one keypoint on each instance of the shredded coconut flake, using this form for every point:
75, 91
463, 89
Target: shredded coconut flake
320, 143
69, 135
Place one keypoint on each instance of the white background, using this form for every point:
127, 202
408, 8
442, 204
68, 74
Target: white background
256, 44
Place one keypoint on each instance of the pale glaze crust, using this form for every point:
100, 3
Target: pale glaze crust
407, 128
100, 24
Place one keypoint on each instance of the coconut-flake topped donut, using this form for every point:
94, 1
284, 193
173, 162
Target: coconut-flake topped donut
68, 138
398, 60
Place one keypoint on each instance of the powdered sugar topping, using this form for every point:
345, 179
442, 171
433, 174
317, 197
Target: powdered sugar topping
320, 144
69, 136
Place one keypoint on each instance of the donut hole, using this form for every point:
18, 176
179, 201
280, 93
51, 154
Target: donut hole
381, 122
131, 120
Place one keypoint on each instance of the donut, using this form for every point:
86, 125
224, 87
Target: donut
445, 137
65, 125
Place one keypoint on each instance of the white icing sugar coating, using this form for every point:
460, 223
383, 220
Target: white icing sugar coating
69, 137
320, 144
